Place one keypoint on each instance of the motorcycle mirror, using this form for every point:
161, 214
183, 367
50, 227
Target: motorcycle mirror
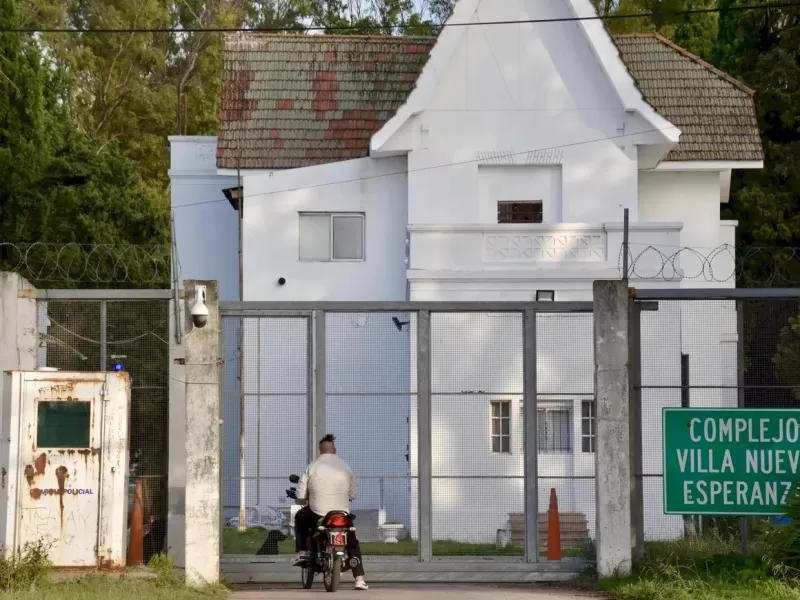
294, 479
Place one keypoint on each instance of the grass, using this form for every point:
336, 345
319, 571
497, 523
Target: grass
98, 587
249, 542
708, 568
28, 575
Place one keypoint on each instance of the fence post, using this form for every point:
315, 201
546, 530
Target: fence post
317, 411
424, 442
19, 333
743, 532
530, 443
176, 469
635, 392
613, 476
202, 440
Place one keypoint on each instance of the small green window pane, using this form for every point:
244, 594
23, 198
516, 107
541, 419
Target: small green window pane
64, 425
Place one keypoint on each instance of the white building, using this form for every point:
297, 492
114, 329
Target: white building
488, 164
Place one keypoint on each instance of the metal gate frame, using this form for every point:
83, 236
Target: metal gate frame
316, 312
648, 300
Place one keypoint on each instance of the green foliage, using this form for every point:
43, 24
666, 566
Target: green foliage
24, 570
706, 568
163, 567
786, 539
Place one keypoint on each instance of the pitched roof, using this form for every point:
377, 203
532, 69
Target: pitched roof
298, 100
715, 112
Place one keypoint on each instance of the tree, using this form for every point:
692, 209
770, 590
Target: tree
24, 136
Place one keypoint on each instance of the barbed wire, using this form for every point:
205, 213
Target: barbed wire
87, 263
750, 266
150, 265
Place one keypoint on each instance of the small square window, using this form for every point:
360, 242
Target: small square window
501, 426
63, 424
326, 237
520, 212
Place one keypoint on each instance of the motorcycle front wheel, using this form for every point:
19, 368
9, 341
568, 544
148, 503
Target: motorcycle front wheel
332, 575
307, 576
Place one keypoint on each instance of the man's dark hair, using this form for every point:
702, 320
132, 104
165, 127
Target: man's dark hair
326, 444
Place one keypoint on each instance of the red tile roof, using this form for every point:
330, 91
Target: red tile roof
298, 100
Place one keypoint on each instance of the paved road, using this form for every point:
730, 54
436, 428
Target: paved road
416, 592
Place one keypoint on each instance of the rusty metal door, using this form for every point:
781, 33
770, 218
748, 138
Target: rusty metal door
60, 461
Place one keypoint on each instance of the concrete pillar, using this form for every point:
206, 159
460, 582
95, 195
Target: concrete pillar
203, 439
176, 486
612, 454
19, 337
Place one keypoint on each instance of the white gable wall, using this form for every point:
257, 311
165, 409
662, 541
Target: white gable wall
532, 95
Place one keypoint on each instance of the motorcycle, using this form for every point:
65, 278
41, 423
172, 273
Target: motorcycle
326, 547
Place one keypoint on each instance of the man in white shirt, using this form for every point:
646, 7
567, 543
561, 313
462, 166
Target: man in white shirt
326, 485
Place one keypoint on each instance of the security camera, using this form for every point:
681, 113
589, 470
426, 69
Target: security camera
199, 308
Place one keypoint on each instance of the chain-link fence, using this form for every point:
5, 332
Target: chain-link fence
129, 335
367, 363
724, 353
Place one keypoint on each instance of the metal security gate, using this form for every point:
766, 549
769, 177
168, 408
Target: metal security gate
718, 348
434, 407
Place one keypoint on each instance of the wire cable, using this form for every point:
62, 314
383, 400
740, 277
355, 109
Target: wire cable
430, 168
402, 27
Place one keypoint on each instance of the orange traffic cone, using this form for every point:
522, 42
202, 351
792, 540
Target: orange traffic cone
553, 529
136, 542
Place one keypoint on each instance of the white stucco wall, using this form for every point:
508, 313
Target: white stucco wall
206, 227
692, 198
376, 188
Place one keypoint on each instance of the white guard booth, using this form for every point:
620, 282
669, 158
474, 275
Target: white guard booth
64, 465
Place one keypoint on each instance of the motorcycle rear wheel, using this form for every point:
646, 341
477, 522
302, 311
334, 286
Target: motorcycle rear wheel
307, 576
331, 577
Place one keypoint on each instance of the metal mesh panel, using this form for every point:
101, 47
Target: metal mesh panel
566, 427
267, 416
370, 399
689, 358
477, 432
83, 335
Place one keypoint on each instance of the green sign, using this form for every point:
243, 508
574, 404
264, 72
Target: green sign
730, 461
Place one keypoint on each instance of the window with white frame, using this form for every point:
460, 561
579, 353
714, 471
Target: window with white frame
554, 425
501, 426
588, 425
326, 237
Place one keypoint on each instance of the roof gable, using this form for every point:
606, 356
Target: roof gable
294, 100
715, 112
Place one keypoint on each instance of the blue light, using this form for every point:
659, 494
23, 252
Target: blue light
119, 367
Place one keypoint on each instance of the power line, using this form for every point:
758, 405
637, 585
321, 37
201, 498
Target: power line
430, 168
348, 28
